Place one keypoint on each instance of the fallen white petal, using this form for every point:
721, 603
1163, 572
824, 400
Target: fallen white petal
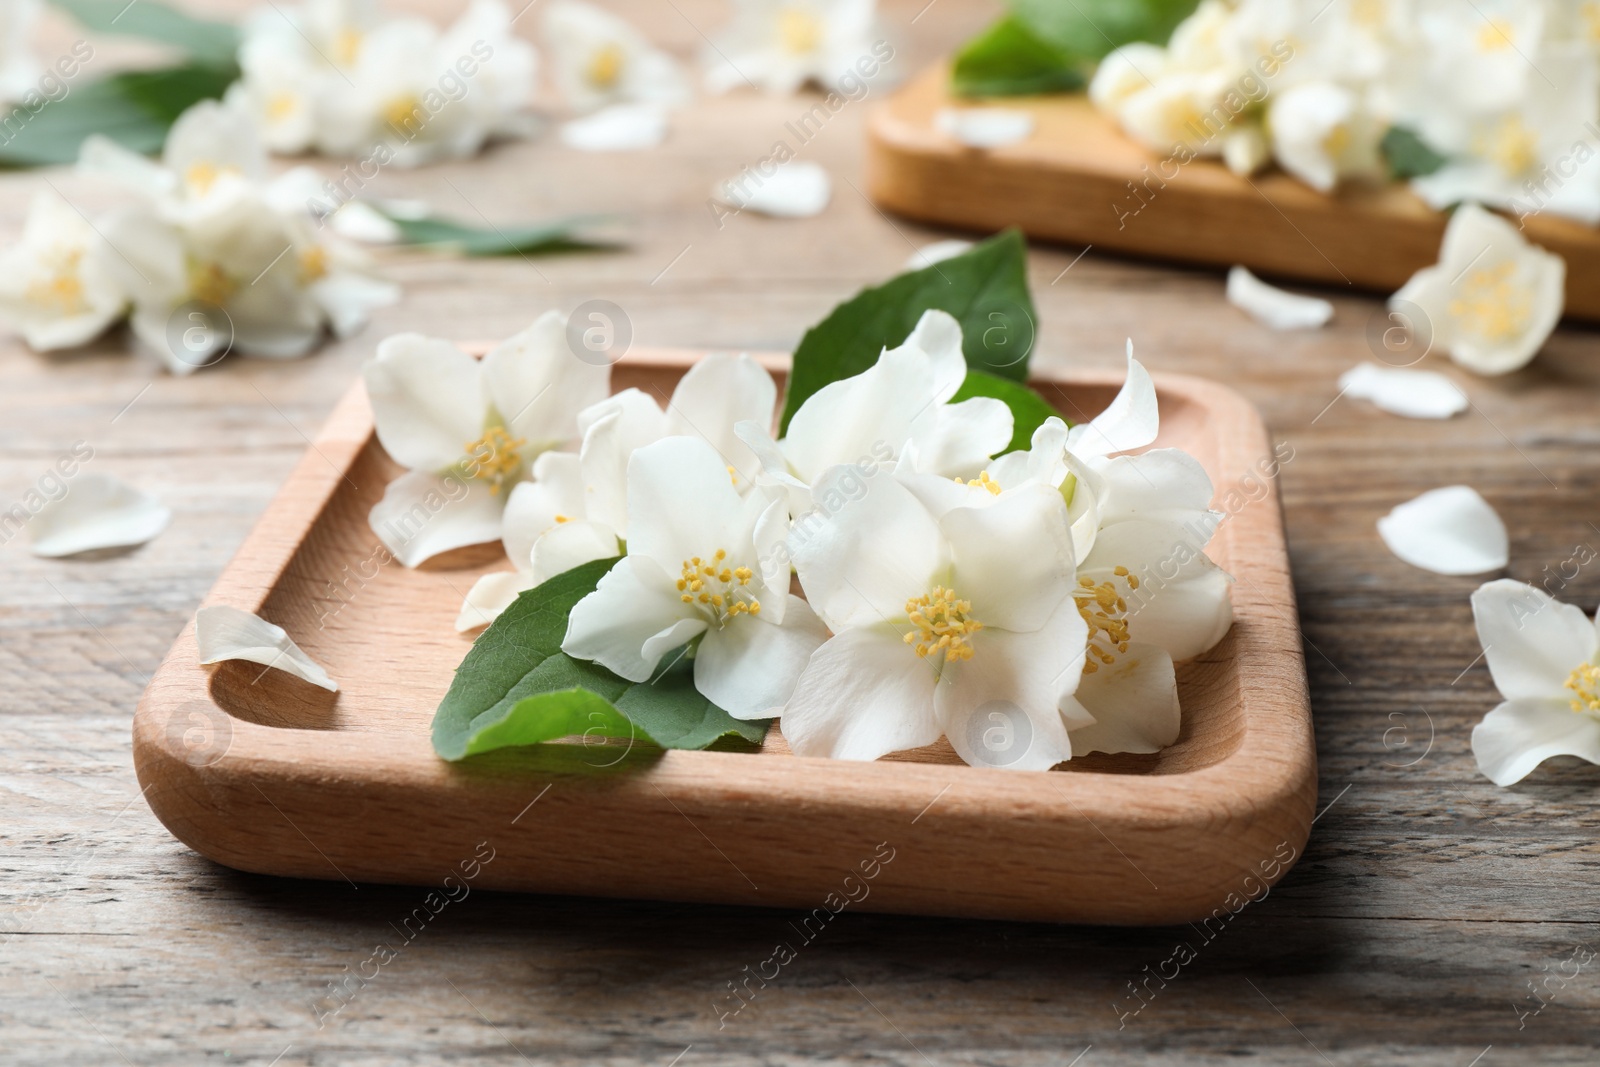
1274, 307
365, 223
619, 128
1448, 531
489, 596
1416, 394
985, 127
97, 511
792, 190
224, 633
938, 252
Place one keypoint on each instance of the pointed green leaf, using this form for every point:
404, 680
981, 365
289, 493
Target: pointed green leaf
1010, 59
1408, 155
986, 289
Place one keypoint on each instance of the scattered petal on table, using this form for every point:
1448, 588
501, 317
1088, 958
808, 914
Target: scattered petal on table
985, 127
1416, 394
224, 633
938, 252
618, 128
792, 190
1448, 531
1274, 307
97, 511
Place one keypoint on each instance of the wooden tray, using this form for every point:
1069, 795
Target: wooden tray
1071, 180
260, 771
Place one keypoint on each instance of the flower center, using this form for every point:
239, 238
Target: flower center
723, 592
1492, 304
494, 458
983, 480
405, 114
201, 176
281, 106
348, 46
605, 66
800, 31
942, 623
1585, 685
210, 284
1494, 36
1511, 145
62, 289
1106, 612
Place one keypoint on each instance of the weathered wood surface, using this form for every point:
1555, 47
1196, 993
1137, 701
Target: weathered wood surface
1427, 900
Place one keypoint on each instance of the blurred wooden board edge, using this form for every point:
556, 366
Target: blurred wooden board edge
1077, 179
1073, 847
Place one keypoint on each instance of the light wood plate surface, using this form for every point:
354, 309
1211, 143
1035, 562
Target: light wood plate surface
262, 772
1079, 179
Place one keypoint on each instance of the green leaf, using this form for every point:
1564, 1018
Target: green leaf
1010, 59
1408, 155
516, 686
213, 43
431, 231
986, 289
135, 109
1028, 408
1089, 29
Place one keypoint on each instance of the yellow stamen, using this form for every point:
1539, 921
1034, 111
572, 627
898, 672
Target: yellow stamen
313, 264
281, 106
605, 66
942, 623
1106, 612
984, 480
723, 591
1495, 35
348, 46
800, 31
1510, 144
494, 458
733, 474
405, 114
62, 288
1585, 685
568, 518
210, 284
202, 175
1492, 304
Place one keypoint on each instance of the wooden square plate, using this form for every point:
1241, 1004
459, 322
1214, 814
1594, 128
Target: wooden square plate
1079, 179
260, 771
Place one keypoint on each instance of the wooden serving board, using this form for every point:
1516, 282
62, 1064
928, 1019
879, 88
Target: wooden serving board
263, 772
1079, 179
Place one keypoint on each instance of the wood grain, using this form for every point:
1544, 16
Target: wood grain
1079, 179
1426, 900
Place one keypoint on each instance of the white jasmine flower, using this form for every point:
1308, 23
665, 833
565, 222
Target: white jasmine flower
599, 59
575, 509
1182, 110
468, 431
56, 288
985, 127
224, 633
1274, 307
1125, 71
1416, 394
1323, 133
869, 419
780, 45
98, 511
960, 624
1493, 298
1543, 656
693, 572
1447, 531
791, 191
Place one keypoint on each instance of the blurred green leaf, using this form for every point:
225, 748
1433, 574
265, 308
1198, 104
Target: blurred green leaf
1408, 155
546, 238
1091, 28
1010, 59
212, 43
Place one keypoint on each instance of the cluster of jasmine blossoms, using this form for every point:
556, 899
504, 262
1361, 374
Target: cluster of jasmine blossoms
1028, 607
1504, 93
206, 256
336, 77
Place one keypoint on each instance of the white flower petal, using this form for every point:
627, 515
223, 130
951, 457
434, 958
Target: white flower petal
750, 666
937, 252
1012, 559
1273, 307
1182, 603
224, 633
538, 385
618, 128
1447, 531
569, 545
792, 190
1519, 735
717, 394
1134, 702
985, 127
867, 547
1003, 707
634, 605
937, 335
97, 511
423, 514
1531, 641
863, 695
1161, 485
613, 430
1416, 394
864, 418
682, 503
489, 596
963, 436
428, 401
1130, 421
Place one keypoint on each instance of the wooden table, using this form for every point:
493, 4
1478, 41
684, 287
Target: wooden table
1427, 901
